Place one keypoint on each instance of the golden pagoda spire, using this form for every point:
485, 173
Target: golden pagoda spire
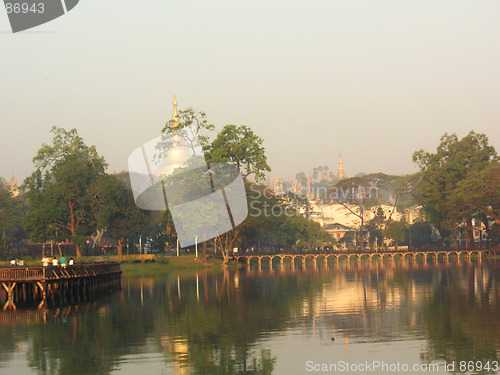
13, 186
175, 115
341, 175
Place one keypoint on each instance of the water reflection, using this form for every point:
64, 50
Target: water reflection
263, 320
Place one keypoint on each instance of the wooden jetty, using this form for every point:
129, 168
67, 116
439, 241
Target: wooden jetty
57, 285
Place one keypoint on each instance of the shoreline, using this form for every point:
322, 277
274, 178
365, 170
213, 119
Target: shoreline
168, 265
164, 265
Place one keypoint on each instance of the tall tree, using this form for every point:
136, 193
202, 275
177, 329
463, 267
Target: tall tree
10, 216
66, 143
479, 194
442, 172
193, 125
480, 191
58, 190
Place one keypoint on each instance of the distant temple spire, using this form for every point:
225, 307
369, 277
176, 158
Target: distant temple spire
175, 115
13, 186
341, 175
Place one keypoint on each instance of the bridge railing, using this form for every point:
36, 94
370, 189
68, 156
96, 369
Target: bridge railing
381, 252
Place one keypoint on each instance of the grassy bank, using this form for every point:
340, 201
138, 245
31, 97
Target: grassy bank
166, 265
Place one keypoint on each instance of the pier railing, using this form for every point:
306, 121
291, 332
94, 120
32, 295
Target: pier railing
22, 273
57, 285
38, 273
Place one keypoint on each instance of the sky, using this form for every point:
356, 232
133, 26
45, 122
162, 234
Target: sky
373, 80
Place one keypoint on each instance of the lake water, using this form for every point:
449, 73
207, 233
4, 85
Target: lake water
383, 318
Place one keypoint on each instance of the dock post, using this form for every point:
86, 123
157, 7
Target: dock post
44, 296
10, 295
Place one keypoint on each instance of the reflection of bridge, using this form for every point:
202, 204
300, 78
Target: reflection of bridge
411, 255
57, 285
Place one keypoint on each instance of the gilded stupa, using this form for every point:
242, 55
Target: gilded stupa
340, 174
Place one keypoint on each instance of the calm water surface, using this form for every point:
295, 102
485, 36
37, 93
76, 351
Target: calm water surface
317, 320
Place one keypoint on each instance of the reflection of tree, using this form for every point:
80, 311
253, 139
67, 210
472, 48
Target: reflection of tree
220, 332
88, 340
462, 317
8, 345
236, 362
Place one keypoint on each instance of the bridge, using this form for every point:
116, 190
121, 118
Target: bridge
446, 255
57, 285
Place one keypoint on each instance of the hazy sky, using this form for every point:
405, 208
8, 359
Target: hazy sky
373, 79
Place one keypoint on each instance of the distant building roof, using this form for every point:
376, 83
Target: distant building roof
337, 227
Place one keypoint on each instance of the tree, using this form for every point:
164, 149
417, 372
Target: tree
310, 233
420, 234
241, 146
10, 216
442, 173
395, 230
357, 208
204, 216
225, 243
114, 209
274, 222
194, 123
58, 190
348, 237
480, 191
479, 195
65, 144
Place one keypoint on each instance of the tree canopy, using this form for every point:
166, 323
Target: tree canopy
448, 174
10, 216
114, 209
241, 146
58, 190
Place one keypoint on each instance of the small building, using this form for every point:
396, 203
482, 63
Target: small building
337, 231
